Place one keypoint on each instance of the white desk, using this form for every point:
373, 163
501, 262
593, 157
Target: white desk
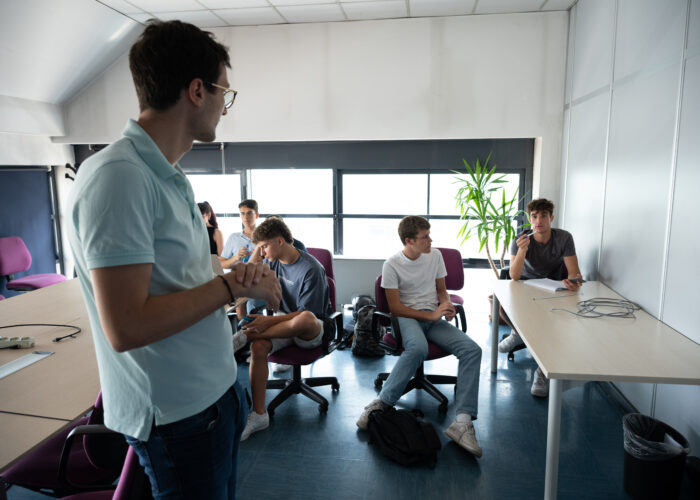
567, 347
43, 397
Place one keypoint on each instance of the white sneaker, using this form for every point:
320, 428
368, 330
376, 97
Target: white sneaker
463, 434
540, 384
255, 423
280, 368
510, 342
363, 421
240, 339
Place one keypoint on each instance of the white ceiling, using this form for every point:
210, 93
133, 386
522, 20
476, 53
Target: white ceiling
213, 13
50, 49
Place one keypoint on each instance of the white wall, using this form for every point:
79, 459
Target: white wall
25, 149
489, 76
630, 173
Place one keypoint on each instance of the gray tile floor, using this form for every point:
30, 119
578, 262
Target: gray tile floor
309, 455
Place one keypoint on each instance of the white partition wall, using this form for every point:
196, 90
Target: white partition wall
630, 173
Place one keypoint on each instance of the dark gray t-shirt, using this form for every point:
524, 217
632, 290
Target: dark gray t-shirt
545, 261
304, 286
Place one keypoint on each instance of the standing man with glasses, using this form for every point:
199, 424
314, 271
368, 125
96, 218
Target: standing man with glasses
162, 339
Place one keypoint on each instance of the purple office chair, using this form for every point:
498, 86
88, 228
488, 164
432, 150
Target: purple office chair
133, 484
391, 342
455, 280
15, 258
298, 357
325, 258
61, 468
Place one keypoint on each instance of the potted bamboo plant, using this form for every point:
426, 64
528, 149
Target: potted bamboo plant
486, 210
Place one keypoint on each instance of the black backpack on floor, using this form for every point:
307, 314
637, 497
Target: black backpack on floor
365, 342
404, 436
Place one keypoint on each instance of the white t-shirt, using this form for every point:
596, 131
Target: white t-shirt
415, 279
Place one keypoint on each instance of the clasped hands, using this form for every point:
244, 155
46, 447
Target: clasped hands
258, 282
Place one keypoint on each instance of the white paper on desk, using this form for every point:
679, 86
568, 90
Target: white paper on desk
546, 284
19, 363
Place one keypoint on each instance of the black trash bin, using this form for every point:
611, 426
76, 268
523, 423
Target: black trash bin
654, 458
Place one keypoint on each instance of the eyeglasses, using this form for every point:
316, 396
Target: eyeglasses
229, 95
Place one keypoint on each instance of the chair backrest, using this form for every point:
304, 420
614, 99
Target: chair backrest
325, 258
14, 256
103, 451
455, 269
331, 291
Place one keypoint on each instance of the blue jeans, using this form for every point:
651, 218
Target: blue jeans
196, 457
415, 335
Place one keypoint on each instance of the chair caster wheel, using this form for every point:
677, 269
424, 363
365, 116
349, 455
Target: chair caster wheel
378, 383
323, 408
335, 386
442, 408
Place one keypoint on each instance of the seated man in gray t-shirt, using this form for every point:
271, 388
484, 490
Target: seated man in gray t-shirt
304, 311
542, 252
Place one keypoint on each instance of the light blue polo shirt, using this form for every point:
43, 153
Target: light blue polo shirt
130, 206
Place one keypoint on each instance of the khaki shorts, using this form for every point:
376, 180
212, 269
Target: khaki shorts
278, 344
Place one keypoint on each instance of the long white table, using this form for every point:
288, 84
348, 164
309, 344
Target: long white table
570, 348
40, 399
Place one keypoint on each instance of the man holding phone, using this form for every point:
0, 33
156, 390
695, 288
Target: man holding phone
542, 252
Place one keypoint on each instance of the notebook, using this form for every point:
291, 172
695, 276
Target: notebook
546, 284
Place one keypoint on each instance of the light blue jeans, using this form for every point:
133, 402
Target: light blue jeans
415, 335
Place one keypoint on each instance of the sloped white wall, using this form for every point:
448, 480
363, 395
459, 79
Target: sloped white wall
431, 78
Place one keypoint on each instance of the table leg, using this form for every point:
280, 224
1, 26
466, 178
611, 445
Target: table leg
494, 333
553, 434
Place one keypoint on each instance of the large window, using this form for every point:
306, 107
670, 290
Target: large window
223, 192
373, 205
350, 196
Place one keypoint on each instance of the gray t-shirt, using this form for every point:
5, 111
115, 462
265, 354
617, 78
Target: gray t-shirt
545, 261
304, 286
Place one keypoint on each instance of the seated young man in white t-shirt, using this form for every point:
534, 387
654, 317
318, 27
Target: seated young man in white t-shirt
414, 281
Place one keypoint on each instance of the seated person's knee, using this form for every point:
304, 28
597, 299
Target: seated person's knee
306, 322
260, 348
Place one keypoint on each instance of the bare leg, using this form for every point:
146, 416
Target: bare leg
259, 372
303, 325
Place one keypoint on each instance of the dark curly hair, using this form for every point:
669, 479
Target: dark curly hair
273, 227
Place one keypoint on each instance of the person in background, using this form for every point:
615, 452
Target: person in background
414, 281
161, 336
216, 238
303, 315
239, 246
541, 252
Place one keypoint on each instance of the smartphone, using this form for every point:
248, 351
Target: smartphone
245, 320
577, 280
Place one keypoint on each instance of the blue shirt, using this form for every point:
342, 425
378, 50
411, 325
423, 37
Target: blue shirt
304, 286
130, 206
234, 243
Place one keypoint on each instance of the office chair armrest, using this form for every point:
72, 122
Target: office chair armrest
79, 431
462, 323
376, 316
331, 344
